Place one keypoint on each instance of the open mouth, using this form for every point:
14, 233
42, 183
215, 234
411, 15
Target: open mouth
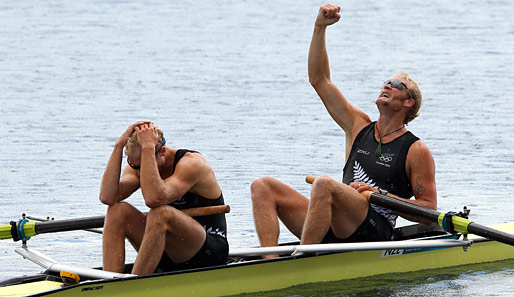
384, 94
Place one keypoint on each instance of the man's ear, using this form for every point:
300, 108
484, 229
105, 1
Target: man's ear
409, 102
162, 151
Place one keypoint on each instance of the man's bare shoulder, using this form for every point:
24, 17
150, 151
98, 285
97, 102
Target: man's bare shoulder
192, 162
419, 149
419, 158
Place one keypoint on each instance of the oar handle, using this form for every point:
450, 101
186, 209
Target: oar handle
310, 179
207, 210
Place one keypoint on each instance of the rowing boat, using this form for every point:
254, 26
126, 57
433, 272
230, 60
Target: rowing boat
414, 248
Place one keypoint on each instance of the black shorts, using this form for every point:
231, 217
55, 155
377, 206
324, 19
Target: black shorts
213, 252
374, 228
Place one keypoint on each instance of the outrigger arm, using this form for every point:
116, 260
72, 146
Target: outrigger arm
52, 265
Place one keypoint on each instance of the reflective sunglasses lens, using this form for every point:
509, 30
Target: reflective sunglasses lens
394, 84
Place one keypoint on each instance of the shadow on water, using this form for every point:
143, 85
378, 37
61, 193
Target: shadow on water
432, 282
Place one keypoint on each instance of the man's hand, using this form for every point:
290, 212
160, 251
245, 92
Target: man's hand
328, 14
126, 135
146, 135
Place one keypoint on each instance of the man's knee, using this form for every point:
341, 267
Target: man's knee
118, 210
158, 215
323, 184
260, 186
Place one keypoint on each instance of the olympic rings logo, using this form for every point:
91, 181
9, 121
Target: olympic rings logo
386, 158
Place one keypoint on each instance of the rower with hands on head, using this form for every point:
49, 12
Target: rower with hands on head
170, 179
381, 156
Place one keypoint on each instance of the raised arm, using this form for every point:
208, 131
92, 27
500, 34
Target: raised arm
348, 117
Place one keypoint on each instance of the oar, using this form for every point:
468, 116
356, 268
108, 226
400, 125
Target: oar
51, 219
445, 220
24, 229
348, 247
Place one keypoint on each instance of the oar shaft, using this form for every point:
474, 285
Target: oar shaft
434, 216
490, 233
69, 225
402, 206
33, 228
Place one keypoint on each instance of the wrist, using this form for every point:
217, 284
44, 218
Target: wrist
320, 28
119, 145
383, 191
147, 147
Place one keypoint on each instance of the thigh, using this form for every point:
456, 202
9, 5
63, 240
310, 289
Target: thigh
291, 206
184, 235
349, 209
124, 216
374, 228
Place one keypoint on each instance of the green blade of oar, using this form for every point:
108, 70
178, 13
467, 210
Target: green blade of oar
460, 224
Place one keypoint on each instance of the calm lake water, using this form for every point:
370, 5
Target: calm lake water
229, 79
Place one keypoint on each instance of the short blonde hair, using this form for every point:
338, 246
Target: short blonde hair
133, 143
415, 93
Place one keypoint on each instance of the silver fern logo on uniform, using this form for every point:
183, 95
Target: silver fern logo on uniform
360, 175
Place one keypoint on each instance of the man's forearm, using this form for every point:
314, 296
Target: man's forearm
319, 68
152, 186
109, 188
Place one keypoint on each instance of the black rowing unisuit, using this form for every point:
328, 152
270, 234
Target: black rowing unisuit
386, 171
213, 224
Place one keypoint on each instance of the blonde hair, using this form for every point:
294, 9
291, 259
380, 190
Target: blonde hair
415, 93
133, 143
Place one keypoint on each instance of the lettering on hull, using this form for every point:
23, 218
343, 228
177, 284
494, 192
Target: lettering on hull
399, 252
95, 288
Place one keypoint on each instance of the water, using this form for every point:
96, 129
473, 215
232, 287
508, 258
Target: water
230, 80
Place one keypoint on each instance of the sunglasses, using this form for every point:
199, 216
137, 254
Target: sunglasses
132, 165
396, 84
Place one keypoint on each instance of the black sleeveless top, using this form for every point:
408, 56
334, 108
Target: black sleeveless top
386, 171
213, 224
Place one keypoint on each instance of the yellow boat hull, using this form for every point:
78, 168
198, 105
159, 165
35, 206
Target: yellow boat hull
265, 275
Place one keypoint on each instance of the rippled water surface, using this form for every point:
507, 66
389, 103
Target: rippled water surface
229, 79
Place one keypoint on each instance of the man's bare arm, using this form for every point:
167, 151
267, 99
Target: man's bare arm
348, 117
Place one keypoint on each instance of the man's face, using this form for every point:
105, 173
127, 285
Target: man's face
394, 89
134, 159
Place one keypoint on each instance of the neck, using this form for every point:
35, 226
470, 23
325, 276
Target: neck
381, 136
383, 130
169, 157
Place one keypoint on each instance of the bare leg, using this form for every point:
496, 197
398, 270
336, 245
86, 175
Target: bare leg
122, 220
168, 229
333, 204
273, 199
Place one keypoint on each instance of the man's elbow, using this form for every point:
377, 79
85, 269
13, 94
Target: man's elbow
105, 199
315, 82
152, 201
319, 82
